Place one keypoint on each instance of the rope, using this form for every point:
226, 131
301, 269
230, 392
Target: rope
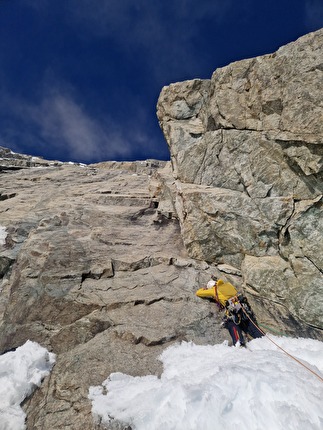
282, 349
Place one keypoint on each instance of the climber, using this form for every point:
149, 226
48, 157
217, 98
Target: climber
238, 318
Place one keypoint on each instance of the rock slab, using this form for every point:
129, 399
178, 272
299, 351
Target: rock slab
95, 271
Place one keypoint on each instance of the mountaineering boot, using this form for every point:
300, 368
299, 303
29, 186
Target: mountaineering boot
235, 332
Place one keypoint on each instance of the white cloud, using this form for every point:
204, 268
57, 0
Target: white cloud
314, 14
61, 123
61, 126
64, 122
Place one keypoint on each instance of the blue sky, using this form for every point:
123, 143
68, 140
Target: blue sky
80, 79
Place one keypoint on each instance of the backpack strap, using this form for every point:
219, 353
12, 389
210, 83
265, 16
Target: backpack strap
216, 298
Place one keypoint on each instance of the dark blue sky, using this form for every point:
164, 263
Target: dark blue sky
80, 79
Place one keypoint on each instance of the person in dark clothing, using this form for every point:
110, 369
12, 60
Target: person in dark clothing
239, 318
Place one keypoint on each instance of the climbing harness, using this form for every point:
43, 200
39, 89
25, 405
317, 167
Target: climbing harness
282, 349
217, 301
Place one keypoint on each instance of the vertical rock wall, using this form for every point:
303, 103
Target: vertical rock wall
247, 155
92, 269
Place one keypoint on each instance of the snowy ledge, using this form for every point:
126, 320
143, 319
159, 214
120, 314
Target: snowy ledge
220, 388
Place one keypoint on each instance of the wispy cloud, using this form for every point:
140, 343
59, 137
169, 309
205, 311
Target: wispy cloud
64, 126
154, 42
62, 122
314, 14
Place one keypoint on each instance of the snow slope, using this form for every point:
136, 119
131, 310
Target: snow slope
221, 387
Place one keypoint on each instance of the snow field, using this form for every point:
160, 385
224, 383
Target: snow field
221, 388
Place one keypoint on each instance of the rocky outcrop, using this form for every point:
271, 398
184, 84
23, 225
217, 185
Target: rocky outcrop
10, 160
247, 149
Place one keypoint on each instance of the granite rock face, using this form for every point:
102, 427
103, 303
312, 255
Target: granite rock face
247, 155
95, 271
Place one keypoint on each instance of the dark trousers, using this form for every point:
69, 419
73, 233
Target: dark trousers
236, 331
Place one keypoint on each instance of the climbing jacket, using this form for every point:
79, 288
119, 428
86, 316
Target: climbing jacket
236, 305
221, 292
